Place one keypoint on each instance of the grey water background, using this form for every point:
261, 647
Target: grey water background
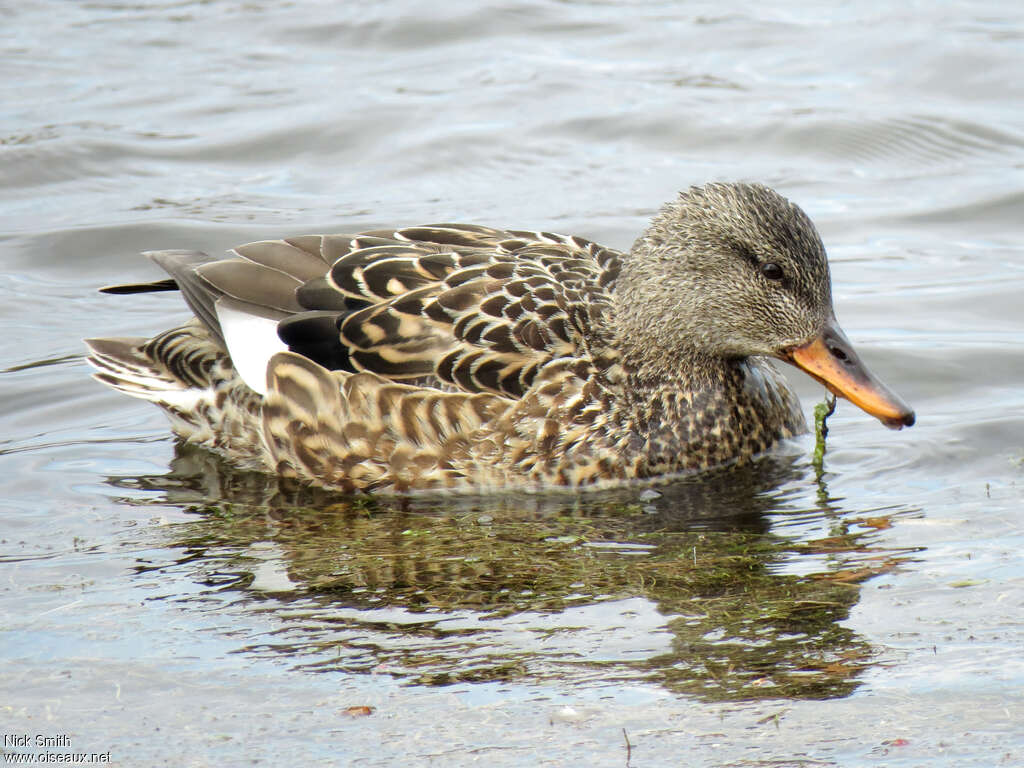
136, 614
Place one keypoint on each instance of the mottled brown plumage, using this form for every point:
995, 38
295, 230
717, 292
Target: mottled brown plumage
459, 356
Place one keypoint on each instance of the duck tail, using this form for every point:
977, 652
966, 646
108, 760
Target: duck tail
123, 364
187, 374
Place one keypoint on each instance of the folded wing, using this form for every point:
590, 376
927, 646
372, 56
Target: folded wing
453, 307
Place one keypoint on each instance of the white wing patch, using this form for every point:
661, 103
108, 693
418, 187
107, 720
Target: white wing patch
251, 339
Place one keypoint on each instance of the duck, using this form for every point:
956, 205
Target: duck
463, 357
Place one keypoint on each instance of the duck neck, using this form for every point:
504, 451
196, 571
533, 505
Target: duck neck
679, 384
712, 413
666, 328
693, 412
656, 352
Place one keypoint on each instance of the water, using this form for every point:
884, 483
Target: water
159, 606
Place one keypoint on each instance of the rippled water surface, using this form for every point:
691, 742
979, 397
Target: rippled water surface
158, 606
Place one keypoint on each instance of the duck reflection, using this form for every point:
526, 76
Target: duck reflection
703, 585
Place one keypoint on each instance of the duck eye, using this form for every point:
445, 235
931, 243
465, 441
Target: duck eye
772, 271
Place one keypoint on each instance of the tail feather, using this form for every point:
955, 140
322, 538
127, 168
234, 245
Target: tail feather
181, 265
155, 286
187, 373
122, 363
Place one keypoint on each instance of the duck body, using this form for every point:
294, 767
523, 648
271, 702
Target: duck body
460, 356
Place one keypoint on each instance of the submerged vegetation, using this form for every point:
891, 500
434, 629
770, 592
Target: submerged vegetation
821, 413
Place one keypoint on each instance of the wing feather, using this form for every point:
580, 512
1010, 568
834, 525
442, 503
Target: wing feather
481, 320
454, 307
468, 308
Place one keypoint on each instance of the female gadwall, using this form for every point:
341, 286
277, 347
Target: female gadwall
455, 355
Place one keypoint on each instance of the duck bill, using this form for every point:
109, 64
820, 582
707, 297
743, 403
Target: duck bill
831, 359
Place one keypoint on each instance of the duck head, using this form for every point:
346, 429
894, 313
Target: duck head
730, 271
